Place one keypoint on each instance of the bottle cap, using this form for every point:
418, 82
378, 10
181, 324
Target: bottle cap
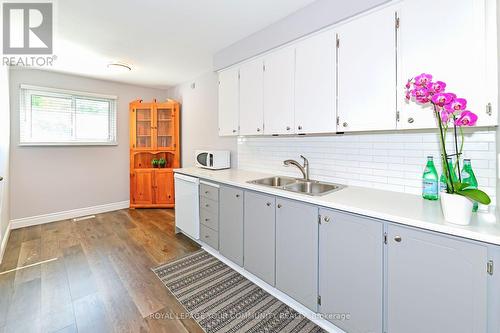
467, 160
430, 157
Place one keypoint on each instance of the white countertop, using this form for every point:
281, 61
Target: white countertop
403, 208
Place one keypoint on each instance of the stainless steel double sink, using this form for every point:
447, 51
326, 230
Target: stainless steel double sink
309, 187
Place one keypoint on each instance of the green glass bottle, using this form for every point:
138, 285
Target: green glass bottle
443, 181
469, 178
430, 181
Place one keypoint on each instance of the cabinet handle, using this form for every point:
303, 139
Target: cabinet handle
398, 239
206, 192
268, 204
288, 128
300, 127
234, 131
258, 129
279, 206
345, 124
326, 219
411, 120
237, 195
207, 205
488, 109
207, 219
207, 236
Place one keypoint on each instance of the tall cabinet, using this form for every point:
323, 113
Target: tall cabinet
154, 135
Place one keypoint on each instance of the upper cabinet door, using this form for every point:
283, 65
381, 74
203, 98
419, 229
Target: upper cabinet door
141, 130
452, 48
164, 128
228, 102
251, 98
315, 84
367, 73
278, 91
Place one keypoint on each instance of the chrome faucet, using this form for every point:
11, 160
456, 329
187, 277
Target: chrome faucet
304, 169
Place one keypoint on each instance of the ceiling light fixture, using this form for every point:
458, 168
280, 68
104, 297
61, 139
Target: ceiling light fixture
119, 67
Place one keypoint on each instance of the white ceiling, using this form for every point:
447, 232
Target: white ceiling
166, 42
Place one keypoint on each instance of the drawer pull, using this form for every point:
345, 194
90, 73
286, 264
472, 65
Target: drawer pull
207, 236
268, 204
326, 219
279, 206
207, 205
207, 219
237, 195
206, 192
398, 239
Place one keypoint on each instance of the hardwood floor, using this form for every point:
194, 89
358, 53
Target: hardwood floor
95, 275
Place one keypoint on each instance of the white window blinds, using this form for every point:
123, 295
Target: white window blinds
60, 117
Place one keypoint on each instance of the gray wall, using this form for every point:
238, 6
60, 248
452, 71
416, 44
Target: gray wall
55, 179
199, 118
4, 153
313, 17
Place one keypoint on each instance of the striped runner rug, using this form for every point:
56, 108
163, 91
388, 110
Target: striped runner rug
222, 300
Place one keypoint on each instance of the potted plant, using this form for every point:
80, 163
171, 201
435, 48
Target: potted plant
451, 113
162, 162
154, 163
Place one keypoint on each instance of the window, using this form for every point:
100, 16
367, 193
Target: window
61, 117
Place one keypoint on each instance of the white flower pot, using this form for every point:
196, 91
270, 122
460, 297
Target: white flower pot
457, 209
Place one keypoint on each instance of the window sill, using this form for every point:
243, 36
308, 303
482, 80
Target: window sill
65, 144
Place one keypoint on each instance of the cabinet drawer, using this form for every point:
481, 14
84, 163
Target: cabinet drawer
209, 236
209, 205
210, 192
209, 219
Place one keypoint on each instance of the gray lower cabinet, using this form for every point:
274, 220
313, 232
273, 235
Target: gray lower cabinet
297, 251
231, 223
435, 284
351, 251
259, 235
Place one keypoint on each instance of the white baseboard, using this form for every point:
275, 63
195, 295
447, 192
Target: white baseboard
3, 245
312, 316
68, 214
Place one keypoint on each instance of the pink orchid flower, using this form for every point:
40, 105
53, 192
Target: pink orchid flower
445, 116
457, 104
436, 87
423, 79
442, 99
466, 118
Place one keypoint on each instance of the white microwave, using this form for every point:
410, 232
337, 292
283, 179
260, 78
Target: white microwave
213, 159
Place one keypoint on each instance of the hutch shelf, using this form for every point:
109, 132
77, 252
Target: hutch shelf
154, 134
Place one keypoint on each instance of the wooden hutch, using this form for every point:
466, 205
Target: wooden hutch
154, 134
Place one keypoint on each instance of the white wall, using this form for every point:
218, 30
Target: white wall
313, 17
4, 156
199, 118
48, 180
389, 161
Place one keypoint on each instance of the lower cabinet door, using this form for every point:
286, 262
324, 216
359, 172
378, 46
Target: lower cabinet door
143, 187
259, 235
231, 223
350, 271
435, 284
164, 186
297, 251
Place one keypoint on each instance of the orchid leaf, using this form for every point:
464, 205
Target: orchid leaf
476, 195
458, 186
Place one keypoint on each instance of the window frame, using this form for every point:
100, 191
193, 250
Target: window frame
112, 116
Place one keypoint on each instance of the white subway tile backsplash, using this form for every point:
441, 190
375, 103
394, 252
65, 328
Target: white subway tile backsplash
389, 161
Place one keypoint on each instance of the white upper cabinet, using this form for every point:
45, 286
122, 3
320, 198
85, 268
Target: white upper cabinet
315, 84
447, 39
279, 69
228, 102
251, 98
367, 73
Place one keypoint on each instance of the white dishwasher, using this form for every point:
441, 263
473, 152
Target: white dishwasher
187, 207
